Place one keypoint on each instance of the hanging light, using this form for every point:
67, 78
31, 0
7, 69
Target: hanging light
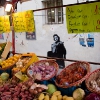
8, 5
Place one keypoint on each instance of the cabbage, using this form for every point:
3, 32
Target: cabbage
78, 94
51, 88
4, 76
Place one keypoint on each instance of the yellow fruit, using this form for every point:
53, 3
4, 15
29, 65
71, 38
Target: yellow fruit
10, 61
16, 56
6, 64
41, 97
59, 97
54, 97
57, 93
13, 62
9, 64
3, 66
46, 97
65, 97
15, 59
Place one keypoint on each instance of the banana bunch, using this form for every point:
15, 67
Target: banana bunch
55, 96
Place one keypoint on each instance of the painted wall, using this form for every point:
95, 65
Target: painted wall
44, 37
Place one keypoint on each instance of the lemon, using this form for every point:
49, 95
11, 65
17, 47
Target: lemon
9, 64
6, 64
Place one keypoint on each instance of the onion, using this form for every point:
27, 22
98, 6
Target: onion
31, 91
39, 89
41, 68
47, 72
51, 69
20, 84
35, 91
26, 92
30, 83
47, 63
33, 86
44, 86
13, 81
24, 87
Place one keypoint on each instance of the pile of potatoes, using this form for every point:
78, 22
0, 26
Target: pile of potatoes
55, 96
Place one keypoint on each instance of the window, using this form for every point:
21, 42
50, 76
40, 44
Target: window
54, 15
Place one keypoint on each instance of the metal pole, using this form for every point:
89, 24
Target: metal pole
13, 32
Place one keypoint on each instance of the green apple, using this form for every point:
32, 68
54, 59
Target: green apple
51, 88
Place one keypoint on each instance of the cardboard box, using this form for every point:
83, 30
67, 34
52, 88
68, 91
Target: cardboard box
6, 50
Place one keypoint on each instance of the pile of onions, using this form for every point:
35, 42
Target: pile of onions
20, 91
44, 70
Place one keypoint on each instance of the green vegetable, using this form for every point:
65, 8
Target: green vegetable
78, 94
4, 76
51, 88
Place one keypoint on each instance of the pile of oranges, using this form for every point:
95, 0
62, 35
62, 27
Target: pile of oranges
10, 61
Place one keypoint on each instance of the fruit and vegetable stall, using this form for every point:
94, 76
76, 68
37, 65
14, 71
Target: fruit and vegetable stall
25, 77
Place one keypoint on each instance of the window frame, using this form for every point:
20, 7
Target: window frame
56, 11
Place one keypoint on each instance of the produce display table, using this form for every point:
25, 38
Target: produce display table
25, 77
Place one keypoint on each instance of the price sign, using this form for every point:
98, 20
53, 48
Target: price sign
83, 18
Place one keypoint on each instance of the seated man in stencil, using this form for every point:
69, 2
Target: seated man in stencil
58, 50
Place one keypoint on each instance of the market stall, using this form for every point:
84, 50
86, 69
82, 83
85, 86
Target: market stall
29, 78
24, 76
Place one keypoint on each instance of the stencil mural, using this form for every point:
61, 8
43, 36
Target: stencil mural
58, 50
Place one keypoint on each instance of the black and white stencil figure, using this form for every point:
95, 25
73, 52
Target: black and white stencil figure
58, 50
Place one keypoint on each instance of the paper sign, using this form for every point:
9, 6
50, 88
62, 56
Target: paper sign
4, 24
23, 21
83, 18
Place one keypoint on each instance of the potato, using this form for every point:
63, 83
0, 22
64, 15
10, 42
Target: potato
54, 97
64, 97
46, 97
57, 93
41, 97
59, 97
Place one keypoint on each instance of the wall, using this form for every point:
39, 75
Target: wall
44, 37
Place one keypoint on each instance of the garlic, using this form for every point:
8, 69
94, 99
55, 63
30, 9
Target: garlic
95, 85
47, 64
20, 63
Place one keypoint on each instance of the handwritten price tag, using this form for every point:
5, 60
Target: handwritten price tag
83, 18
23, 21
4, 24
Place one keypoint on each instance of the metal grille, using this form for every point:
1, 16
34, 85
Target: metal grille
54, 15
